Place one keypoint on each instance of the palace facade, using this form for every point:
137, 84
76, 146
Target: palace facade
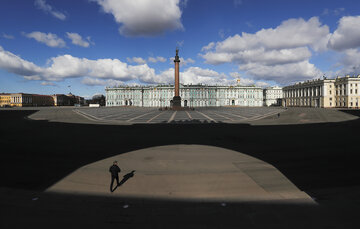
191, 96
341, 92
272, 96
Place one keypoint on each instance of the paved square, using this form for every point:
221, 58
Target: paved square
199, 115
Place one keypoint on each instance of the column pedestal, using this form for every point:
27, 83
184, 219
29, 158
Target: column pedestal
176, 102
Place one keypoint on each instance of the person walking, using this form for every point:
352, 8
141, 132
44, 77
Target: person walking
114, 170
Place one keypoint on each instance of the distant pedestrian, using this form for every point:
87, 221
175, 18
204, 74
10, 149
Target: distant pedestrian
114, 170
278, 115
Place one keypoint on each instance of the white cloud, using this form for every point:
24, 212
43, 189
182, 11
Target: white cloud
107, 72
14, 64
278, 54
157, 59
349, 63
262, 84
137, 60
292, 33
8, 36
152, 59
100, 82
76, 39
235, 75
41, 4
260, 55
208, 47
247, 81
143, 17
192, 75
347, 35
45, 83
183, 62
283, 74
67, 66
50, 39
196, 75
165, 77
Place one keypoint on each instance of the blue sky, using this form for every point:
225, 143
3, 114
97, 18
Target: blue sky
48, 45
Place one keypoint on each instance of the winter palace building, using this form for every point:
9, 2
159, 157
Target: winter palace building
191, 96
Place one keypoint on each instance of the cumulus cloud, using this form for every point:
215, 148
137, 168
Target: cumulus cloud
76, 39
50, 39
143, 17
235, 75
196, 75
183, 62
109, 72
278, 54
41, 4
283, 74
349, 64
67, 66
191, 75
137, 60
157, 59
260, 55
347, 34
100, 82
292, 33
14, 64
208, 47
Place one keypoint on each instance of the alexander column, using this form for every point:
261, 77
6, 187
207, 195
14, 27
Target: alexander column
177, 98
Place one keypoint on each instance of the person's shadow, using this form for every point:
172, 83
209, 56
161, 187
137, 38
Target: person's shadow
125, 178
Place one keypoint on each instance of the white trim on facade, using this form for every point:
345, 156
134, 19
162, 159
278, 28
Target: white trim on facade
342, 92
191, 95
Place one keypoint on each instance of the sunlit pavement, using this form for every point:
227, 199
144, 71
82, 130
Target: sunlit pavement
188, 172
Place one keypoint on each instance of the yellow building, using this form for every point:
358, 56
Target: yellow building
20, 100
5, 100
342, 92
42, 100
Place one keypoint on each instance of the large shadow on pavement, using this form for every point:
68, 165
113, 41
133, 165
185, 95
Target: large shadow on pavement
315, 157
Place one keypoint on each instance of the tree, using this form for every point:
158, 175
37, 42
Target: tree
98, 99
